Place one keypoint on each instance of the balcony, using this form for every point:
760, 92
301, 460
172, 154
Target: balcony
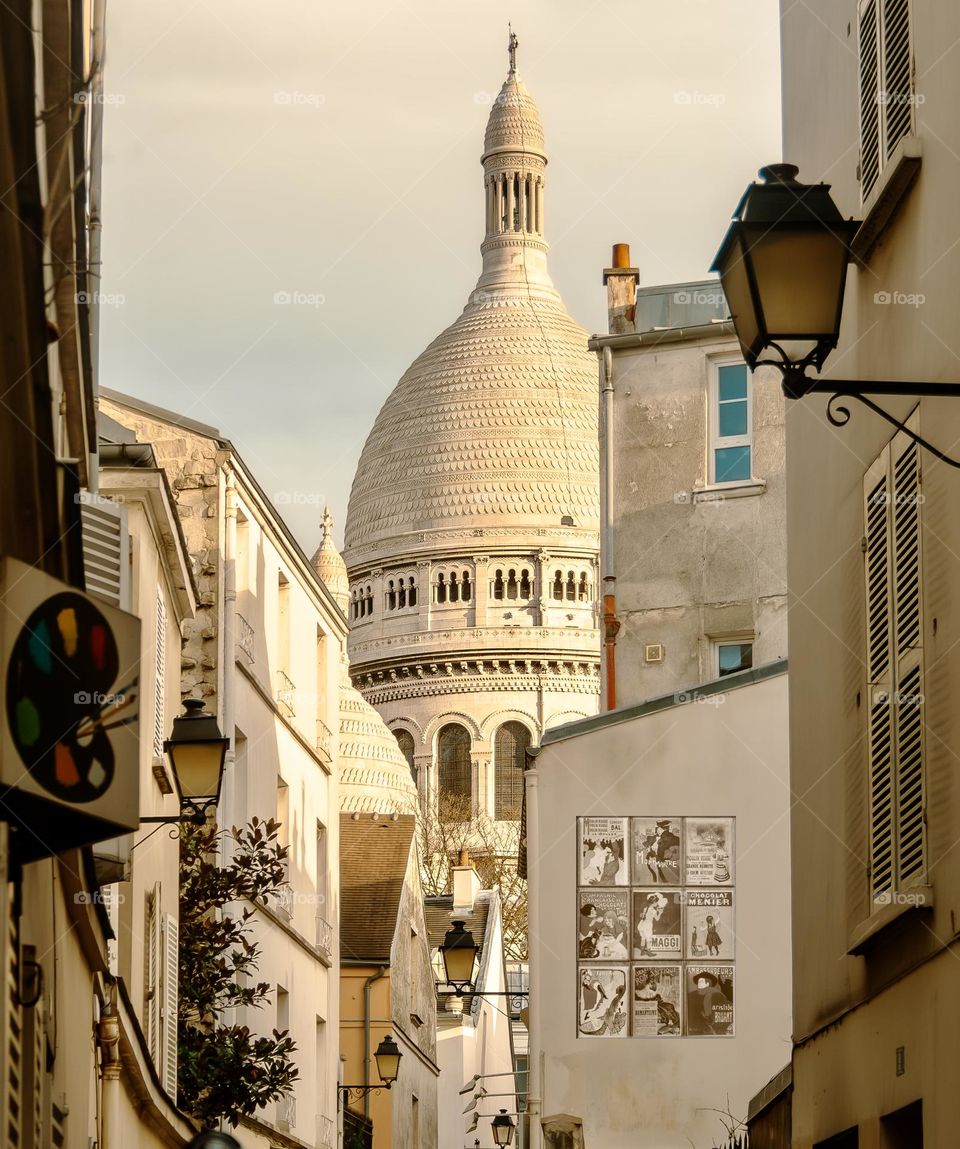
324, 942
326, 1133
287, 1112
286, 693
246, 640
324, 741
282, 902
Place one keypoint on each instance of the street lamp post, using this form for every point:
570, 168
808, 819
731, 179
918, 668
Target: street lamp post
503, 1128
196, 750
387, 1056
782, 266
459, 955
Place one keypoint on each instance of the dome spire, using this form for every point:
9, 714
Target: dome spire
329, 565
512, 49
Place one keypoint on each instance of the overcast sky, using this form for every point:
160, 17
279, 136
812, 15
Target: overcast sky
329, 152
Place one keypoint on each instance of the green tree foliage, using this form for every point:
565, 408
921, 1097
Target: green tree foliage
225, 1072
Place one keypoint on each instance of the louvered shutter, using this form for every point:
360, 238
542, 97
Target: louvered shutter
908, 631
897, 74
869, 97
105, 551
153, 990
880, 751
159, 715
171, 947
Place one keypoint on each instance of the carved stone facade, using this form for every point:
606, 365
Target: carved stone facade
471, 538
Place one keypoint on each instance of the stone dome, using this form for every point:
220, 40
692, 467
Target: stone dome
329, 565
373, 774
514, 123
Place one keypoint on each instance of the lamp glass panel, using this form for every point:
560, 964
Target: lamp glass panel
388, 1065
458, 962
800, 274
197, 767
736, 288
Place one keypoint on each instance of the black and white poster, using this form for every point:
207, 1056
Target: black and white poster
708, 851
708, 925
602, 1001
656, 851
603, 851
657, 923
603, 925
709, 1009
657, 1000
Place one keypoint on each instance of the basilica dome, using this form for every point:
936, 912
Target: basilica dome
373, 774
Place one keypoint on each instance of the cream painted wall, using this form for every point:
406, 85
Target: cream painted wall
711, 757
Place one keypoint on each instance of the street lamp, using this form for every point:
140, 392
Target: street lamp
213, 1139
387, 1056
502, 1127
196, 750
459, 954
783, 268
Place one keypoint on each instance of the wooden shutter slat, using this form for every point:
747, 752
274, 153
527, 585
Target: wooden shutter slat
897, 73
869, 98
171, 945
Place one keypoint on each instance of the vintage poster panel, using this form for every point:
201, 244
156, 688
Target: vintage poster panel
656, 851
602, 1001
657, 924
708, 851
603, 857
657, 996
709, 1007
603, 925
708, 924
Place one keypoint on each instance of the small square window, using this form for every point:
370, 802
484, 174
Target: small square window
733, 656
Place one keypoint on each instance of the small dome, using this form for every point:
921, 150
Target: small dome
514, 124
329, 565
374, 775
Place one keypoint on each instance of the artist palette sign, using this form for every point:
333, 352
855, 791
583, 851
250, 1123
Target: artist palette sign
656, 943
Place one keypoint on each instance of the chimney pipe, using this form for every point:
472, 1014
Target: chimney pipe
621, 282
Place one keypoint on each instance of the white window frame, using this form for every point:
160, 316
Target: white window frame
714, 440
730, 640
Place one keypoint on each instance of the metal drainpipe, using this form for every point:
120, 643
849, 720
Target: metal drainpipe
534, 1068
611, 624
108, 1037
227, 703
366, 1034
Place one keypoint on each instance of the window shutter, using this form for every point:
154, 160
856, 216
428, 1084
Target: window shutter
105, 551
897, 73
159, 717
908, 640
879, 674
13, 1052
171, 947
152, 1003
869, 98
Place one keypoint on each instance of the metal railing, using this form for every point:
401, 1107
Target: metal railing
326, 1132
287, 1112
246, 639
282, 902
324, 942
286, 693
324, 740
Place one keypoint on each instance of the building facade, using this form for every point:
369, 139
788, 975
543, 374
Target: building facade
471, 534
264, 652
869, 104
693, 474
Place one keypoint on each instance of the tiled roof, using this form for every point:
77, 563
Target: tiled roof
374, 855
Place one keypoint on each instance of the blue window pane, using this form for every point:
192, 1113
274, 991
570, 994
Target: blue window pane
735, 656
733, 381
732, 463
732, 419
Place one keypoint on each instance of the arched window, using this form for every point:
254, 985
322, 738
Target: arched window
453, 762
353, 604
524, 583
512, 584
361, 604
571, 586
369, 600
454, 588
558, 585
405, 742
412, 592
583, 592
465, 587
510, 761
391, 596
441, 588
402, 596
498, 584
